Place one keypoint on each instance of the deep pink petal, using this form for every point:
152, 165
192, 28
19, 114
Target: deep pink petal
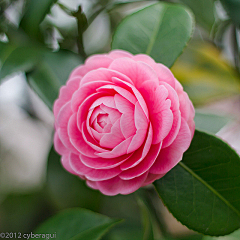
116, 185
136, 93
83, 92
62, 122
172, 95
119, 150
140, 153
123, 92
161, 115
127, 125
170, 156
103, 163
65, 94
93, 62
91, 141
144, 165
138, 72
58, 145
77, 140
151, 178
82, 113
65, 160
90, 173
103, 74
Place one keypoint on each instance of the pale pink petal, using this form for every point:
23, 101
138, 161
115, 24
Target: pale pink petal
116, 185
112, 139
138, 72
170, 156
113, 114
65, 94
96, 134
92, 174
127, 125
93, 62
83, 92
77, 140
95, 114
144, 58
103, 74
144, 165
123, 105
140, 153
103, 163
114, 54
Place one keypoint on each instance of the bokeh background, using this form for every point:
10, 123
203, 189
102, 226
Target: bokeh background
33, 184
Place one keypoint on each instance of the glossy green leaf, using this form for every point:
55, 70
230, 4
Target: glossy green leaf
204, 11
77, 224
51, 73
34, 15
20, 59
203, 190
233, 236
154, 31
233, 9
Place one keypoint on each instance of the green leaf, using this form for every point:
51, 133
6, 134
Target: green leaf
34, 15
203, 190
233, 9
20, 59
154, 31
233, 236
204, 11
51, 73
77, 224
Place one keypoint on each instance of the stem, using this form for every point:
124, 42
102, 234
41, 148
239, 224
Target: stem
151, 200
236, 49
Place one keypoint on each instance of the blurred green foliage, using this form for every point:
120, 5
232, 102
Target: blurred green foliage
29, 44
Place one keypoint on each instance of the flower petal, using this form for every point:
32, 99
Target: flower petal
170, 156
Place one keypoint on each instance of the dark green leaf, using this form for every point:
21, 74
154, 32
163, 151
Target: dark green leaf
20, 59
154, 31
51, 73
233, 9
204, 12
34, 15
233, 236
77, 224
203, 190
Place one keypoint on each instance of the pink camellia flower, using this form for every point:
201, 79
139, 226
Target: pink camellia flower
122, 121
